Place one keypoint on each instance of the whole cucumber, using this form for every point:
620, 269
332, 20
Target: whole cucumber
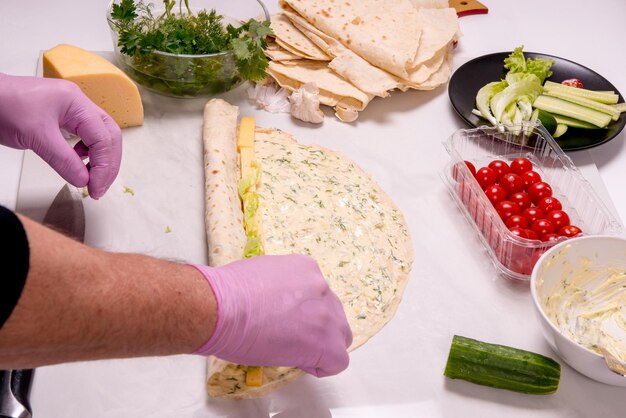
502, 367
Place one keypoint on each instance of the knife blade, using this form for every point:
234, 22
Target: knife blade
66, 214
14, 390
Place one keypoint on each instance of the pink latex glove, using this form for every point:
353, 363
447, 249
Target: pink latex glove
277, 311
33, 111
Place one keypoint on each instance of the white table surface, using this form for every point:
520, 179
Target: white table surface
453, 288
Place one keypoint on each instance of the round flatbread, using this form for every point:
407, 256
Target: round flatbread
291, 39
318, 202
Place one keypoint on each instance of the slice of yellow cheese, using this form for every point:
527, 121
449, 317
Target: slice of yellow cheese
245, 144
246, 158
104, 83
246, 132
254, 376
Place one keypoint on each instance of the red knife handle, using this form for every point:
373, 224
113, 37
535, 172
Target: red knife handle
468, 7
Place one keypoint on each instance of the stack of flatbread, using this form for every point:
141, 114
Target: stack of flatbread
355, 50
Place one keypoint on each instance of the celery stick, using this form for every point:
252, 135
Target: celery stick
592, 104
565, 108
559, 131
620, 107
599, 96
574, 123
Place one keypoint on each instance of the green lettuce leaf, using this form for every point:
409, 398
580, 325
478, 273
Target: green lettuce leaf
250, 201
540, 67
517, 63
253, 248
484, 96
250, 206
250, 180
527, 89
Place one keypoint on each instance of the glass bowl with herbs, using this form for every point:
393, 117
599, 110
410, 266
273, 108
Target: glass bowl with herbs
183, 52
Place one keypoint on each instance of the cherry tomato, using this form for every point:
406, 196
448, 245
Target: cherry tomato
570, 231
538, 191
550, 237
559, 218
456, 170
573, 82
521, 165
530, 177
517, 220
500, 167
485, 177
521, 198
525, 262
542, 227
495, 194
511, 183
530, 234
522, 265
506, 209
536, 256
520, 232
532, 214
548, 204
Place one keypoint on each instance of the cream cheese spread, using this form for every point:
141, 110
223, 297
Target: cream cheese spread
315, 201
588, 303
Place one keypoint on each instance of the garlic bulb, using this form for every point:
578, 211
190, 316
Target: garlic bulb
270, 97
346, 114
305, 104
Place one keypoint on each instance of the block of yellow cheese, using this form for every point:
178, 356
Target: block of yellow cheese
104, 83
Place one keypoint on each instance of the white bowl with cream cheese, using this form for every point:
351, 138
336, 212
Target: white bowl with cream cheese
579, 290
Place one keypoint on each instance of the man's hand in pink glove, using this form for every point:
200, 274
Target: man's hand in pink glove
277, 311
33, 111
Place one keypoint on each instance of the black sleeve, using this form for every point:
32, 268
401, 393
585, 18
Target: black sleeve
14, 256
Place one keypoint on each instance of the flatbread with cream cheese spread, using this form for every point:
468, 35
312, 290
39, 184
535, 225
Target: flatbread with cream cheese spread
315, 201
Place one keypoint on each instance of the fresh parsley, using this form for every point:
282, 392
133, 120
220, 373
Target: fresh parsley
178, 30
125, 11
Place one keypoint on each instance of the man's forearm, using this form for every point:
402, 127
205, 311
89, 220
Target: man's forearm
80, 304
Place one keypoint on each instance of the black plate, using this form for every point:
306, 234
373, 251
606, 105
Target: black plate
471, 76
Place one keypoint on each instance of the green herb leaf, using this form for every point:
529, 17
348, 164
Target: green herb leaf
259, 30
125, 11
241, 47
